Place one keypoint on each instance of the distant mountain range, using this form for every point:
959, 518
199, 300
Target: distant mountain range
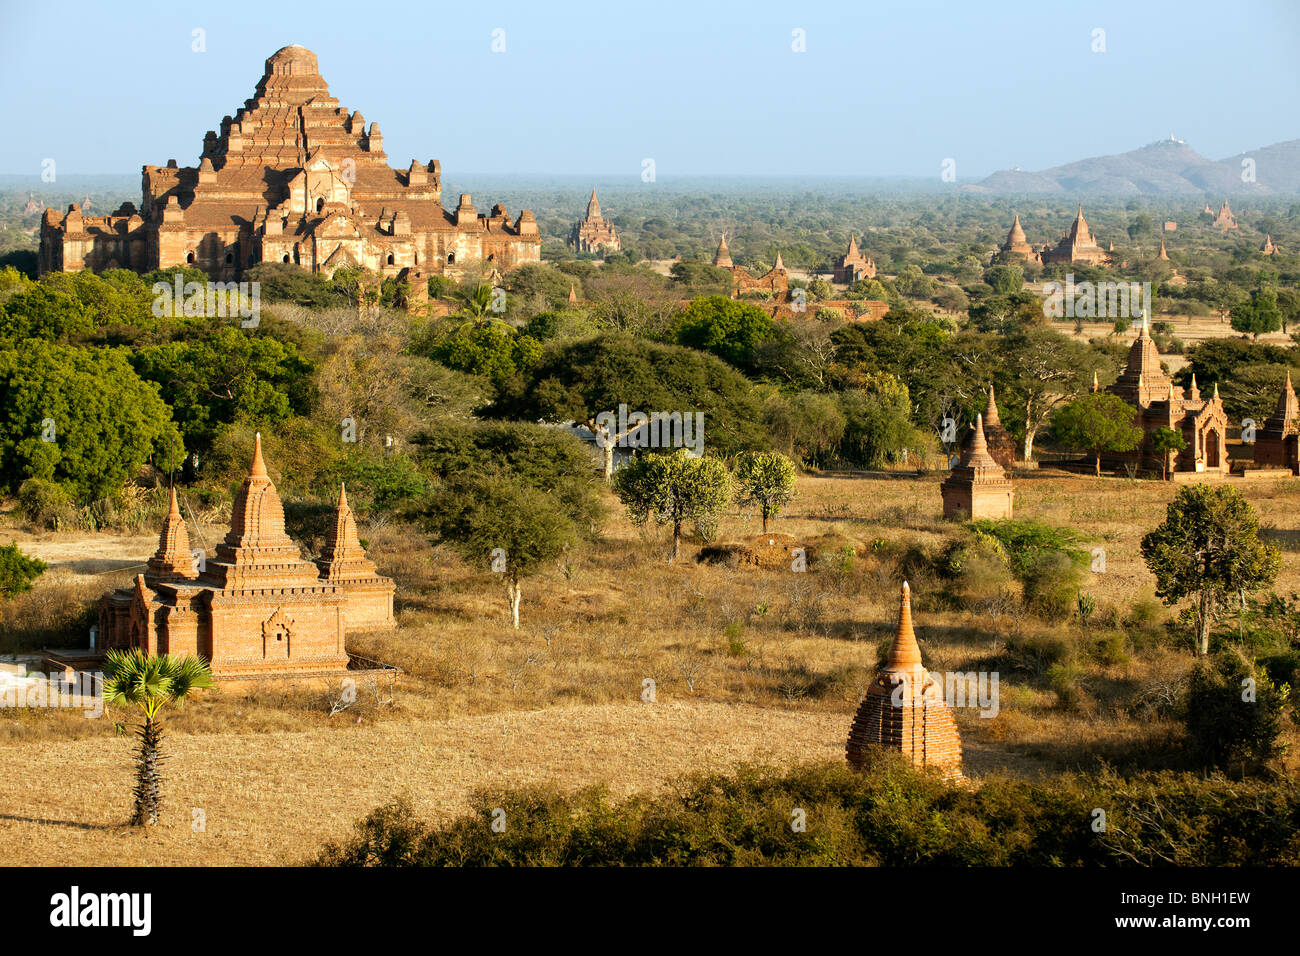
1168, 167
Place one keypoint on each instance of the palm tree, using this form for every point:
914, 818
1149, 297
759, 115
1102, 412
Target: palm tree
149, 681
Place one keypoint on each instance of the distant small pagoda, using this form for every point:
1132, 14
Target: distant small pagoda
594, 233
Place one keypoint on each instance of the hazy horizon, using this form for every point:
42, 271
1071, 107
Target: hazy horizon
887, 92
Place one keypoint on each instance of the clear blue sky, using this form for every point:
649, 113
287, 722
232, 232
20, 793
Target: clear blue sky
884, 88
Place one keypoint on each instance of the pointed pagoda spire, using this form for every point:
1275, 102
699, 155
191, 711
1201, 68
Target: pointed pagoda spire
593, 205
722, 258
780, 264
1096, 386
258, 468
343, 558
991, 410
853, 247
573, 294
173, 560
904, 653
1163, 254
1216, 391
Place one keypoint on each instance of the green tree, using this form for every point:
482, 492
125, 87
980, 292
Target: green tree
1005, 280
150, 682
580, 380
765, 479
499, 521
809, 425
673, 489
17, 570
1166, 442
1208, 548
728, 328
1098, 422
1259, 315
1042, 370
223, 376
80, 417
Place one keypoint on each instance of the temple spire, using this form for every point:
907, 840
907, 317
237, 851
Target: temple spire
258, 468
904, 653
991, 410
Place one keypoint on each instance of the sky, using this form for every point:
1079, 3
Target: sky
701, 88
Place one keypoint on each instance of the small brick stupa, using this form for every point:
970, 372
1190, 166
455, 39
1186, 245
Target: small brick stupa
978, 487
904, 709
1000, 444
1276, 443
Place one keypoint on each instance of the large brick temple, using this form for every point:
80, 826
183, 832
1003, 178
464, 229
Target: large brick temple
256, 608
292, 177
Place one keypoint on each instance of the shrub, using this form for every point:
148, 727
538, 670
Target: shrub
43, 504
1227, 721
888, 816
18, 571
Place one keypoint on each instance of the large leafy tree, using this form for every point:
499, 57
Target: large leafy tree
1099, 423
80, 417
225, 375
1208, 548
673, 489
1258, 315
579, 380
765, 479
149, 682
1042, 370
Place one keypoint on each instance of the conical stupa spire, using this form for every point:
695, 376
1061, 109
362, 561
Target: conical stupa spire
1096, 386
172, 561
904, 653
258, 468
780, 264
722, 258
343, 558
991, 410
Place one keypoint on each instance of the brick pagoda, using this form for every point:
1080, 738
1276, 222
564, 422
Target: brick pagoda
999, 442
594, 233
1078, 245
292, 177
1276, 442
904, 709
853, 265
1016, 246
978, 487
255, 608
1202, 422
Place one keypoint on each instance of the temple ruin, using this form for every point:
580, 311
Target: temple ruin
292, 177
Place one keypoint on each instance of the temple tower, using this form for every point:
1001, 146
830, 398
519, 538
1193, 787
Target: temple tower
904, 710
978, 487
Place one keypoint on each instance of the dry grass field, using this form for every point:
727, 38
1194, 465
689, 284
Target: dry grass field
752, 662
